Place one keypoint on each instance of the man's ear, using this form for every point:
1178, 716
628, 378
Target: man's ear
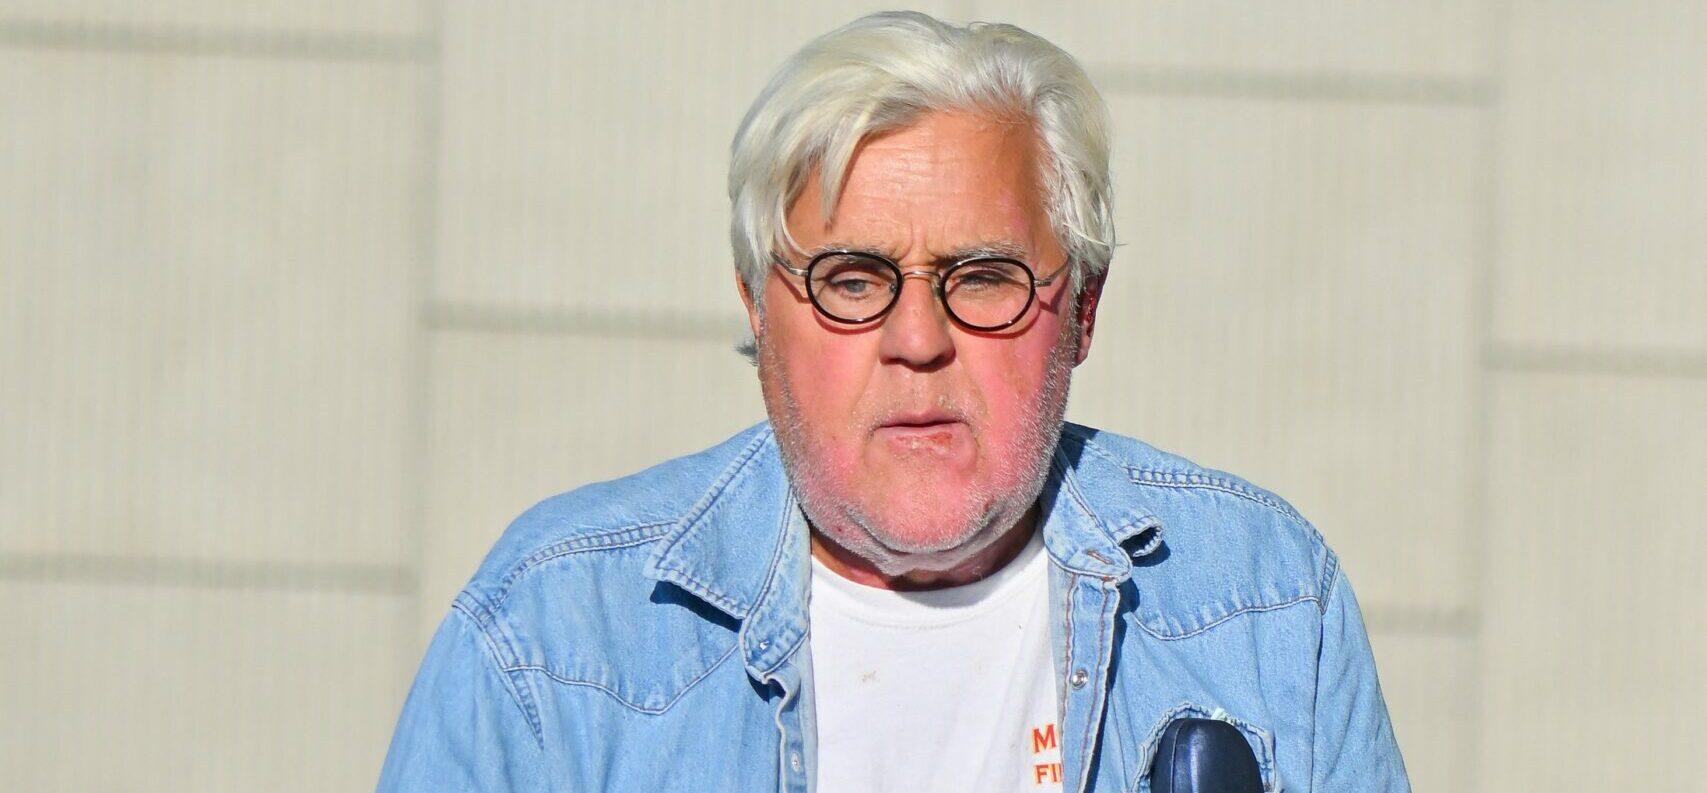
1089, 297
754, 321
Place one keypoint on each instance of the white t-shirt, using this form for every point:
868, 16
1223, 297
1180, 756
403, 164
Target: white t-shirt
942, 690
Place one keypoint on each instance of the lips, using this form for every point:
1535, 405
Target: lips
924, 415
932, 431
920, 419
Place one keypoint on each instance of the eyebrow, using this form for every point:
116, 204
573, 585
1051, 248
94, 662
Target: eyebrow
1006, 249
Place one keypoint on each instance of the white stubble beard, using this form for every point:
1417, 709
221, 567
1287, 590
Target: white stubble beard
987, 511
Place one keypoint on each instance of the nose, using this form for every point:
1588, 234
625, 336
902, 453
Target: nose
915, 332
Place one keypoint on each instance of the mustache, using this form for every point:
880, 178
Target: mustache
916, 411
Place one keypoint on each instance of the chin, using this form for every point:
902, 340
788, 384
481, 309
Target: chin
928, 524
938, 493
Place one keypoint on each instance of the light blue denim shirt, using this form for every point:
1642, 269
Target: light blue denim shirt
650, 634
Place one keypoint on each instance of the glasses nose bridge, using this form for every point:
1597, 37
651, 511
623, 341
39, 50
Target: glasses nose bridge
933, 277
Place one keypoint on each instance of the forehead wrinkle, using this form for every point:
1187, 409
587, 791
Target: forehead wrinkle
1001, 248
875, 250
995, 247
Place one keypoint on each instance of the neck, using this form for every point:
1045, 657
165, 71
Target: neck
986, 560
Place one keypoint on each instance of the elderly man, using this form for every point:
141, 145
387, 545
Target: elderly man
915, 576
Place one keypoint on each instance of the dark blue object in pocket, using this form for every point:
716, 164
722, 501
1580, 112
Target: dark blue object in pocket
1204, 756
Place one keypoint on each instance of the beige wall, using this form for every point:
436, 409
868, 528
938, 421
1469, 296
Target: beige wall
300, 303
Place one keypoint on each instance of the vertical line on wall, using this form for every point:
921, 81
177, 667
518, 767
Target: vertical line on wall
417, 445
1481, 412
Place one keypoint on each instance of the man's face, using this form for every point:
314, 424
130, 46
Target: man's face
913, 441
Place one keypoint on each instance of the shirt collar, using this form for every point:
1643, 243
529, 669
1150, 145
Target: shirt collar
1096, 524
744, 547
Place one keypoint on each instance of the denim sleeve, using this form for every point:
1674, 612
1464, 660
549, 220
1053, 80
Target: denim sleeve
1355, 749
462, 729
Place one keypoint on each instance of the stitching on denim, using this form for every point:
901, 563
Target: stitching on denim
1146, 520
502, 651
1102, 690
1200, 478
799, 643
1187, 480
1330, 576
789, 507
715, 491
690, 522
466, 600
609, 540
1224, 618
554, 676
704, 590
1067, 665
524, 703
700, 589
530, 712
1068, 484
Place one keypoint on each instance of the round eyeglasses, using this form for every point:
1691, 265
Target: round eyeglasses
982, 293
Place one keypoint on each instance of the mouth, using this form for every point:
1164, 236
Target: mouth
930, 431
921, 419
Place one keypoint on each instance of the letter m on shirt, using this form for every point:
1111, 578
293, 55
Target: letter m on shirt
1042, 739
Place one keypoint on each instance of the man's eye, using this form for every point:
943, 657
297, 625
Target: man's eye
856, 280
854, 285
983, 278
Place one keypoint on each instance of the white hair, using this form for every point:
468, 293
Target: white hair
880, 73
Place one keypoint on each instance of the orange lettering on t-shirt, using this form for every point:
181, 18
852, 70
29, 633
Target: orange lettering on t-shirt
1042, 772
1042, 739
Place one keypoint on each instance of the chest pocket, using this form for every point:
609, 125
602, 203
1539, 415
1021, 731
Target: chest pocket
1237, 770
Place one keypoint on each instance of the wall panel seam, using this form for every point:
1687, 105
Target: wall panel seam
229, 42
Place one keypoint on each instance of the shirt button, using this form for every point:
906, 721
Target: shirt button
1079, 677
794, 761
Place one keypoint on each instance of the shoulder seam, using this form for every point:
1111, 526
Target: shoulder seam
523, 703
1201, 478
1184, 480
1330, 577
623, 537
1189, 480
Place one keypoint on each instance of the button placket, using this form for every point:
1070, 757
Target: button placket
1091, 607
